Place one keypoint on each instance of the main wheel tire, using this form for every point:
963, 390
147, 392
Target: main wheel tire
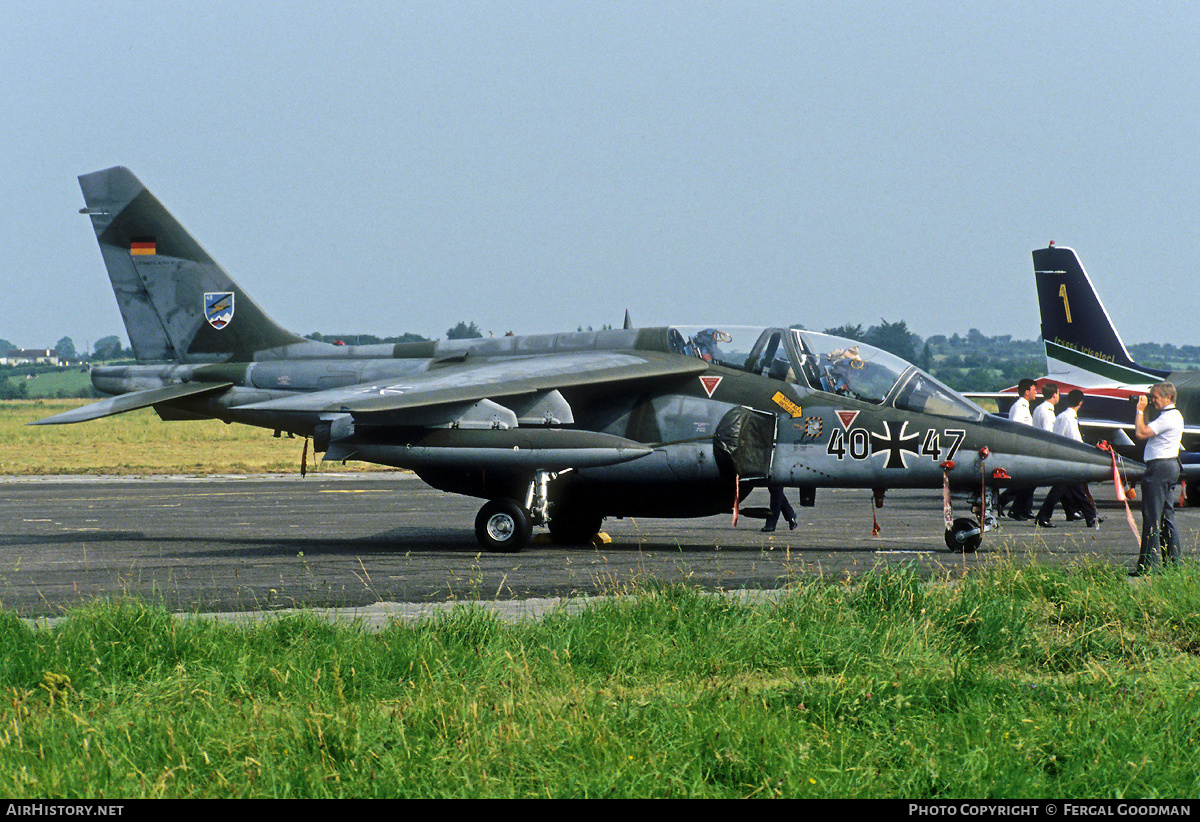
573, 526
964, 536
503, 527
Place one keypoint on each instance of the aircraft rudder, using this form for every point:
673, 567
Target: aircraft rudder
1076, 329
108, 196
178, 304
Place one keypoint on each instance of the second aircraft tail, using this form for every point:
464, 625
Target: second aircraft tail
1083, 347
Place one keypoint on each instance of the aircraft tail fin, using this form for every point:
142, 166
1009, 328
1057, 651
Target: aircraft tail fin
1083, 347
178, 304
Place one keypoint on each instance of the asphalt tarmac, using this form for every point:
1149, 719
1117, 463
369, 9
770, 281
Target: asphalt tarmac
236, 544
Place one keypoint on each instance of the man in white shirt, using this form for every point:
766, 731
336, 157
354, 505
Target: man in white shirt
1043, 415
1026, 391
1021, 498
1075, 497
1162, 437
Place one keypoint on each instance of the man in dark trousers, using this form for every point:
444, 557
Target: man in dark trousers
1162, 436
779, 504
1020, 498
1074, 496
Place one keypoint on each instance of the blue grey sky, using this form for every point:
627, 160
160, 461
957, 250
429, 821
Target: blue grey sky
539, 166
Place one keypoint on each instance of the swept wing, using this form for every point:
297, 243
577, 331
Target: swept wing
403, 400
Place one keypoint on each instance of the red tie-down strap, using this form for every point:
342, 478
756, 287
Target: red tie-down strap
947, 511
878, 503
737, 492
1119, 487
983, 455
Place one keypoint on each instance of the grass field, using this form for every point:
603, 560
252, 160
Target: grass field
1015, 682
140, 443
45, 383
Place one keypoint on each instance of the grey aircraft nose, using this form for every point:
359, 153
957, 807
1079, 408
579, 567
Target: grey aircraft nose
1030, 456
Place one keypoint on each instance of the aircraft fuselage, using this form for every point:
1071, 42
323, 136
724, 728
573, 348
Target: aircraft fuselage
631, 452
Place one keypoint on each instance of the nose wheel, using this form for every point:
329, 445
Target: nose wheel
964, 535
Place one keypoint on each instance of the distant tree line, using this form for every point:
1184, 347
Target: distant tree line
971, 363
105, 349
1167, 357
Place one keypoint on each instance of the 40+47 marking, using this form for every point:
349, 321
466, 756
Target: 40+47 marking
859, 444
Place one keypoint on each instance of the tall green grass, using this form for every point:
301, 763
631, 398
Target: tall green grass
1015, 682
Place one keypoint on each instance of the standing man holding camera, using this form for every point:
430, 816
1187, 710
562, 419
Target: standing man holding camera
1162, 436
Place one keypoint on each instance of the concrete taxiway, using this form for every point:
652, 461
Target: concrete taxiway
236, 544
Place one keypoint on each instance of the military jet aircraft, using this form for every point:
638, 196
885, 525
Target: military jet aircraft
560, 430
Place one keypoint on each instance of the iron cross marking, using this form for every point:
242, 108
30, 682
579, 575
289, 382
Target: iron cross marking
895, 444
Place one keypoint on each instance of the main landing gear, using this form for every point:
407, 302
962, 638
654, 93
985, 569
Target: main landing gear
505, 526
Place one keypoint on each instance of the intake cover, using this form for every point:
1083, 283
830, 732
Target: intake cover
745, 442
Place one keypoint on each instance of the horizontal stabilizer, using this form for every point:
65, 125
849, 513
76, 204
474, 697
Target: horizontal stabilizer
131, 402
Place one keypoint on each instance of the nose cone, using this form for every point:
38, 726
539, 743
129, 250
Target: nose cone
1031, 456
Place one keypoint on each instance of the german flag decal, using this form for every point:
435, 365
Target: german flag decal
143, 246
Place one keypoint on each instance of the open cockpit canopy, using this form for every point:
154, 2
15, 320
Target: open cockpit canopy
823, 362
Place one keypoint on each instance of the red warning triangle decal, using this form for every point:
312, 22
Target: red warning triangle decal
847, 418
710, 384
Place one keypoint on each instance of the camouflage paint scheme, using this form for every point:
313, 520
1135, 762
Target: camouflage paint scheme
552, 429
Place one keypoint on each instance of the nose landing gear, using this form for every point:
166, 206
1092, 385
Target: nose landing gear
964, 535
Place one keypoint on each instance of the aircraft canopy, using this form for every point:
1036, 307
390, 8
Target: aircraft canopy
824, 363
